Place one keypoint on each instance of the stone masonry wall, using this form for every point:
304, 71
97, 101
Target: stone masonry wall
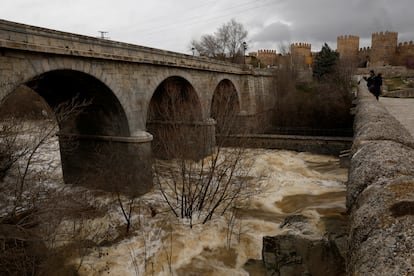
348, 47
26, 37
380, 192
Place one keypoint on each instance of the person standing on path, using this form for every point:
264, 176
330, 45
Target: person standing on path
376, 87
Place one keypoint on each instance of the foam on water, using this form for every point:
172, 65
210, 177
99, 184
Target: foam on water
284, 182
164, 246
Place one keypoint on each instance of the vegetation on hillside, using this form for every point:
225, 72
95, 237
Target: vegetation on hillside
322, 103
398, 83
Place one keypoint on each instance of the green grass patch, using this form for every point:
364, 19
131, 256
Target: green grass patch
394, 84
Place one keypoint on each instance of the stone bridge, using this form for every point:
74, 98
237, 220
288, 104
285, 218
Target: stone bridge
132, 93
380, 191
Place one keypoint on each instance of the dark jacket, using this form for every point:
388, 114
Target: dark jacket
377, 82
370, 81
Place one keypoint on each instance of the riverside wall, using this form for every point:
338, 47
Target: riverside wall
380, 192
407, 93
314, 144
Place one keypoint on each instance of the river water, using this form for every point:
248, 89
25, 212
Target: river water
159, 244
285, 183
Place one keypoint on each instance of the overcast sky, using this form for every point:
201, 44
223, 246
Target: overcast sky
172, 24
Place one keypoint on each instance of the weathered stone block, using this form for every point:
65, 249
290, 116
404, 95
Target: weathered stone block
378, 160
380, 193
381, 233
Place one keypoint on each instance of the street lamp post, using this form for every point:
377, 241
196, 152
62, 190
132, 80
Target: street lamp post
244, 51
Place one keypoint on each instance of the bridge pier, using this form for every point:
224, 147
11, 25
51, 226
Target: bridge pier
252, 123
111, 163
187, 140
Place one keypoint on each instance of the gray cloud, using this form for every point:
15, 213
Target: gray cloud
171, 24
275, 31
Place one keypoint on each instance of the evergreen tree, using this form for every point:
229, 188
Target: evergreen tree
324, 62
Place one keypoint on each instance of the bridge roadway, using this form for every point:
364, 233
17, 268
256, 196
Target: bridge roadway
402, 109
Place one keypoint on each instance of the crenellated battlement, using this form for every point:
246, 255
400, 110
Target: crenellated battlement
406, 44
385, 35
264, 52
267, 57
347, 47
348, 38
301, 45
301, 55
385, 38
384, 50
364, 49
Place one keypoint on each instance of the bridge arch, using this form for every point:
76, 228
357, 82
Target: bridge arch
94, 134
102, 115
199, 87
174, 99
225, 106
175, 119
34, 67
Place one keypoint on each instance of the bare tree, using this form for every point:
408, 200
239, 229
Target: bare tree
208, 46
232, 35
195, 182
226, 43
30, 209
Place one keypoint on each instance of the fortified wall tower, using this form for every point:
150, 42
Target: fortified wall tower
364, 56
348, 48
267, 57
405, 54
301, 55
383, 48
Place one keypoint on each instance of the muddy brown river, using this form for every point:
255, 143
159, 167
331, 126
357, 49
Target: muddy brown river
289, 182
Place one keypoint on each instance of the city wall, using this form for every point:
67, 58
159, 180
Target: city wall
385, 50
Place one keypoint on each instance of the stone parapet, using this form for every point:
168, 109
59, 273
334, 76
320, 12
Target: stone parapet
30, 38
380, 192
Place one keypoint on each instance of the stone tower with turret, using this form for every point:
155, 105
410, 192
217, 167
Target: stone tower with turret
383, 48
348, 48
301, 56
267, 57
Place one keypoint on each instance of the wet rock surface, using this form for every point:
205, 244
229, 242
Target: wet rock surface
300, 251
295, 255
380, 194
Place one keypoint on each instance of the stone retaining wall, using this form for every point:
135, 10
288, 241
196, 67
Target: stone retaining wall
313, 144
408, 93
380, 192
388, 71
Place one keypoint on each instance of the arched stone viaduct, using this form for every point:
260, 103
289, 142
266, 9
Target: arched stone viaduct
125, 87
